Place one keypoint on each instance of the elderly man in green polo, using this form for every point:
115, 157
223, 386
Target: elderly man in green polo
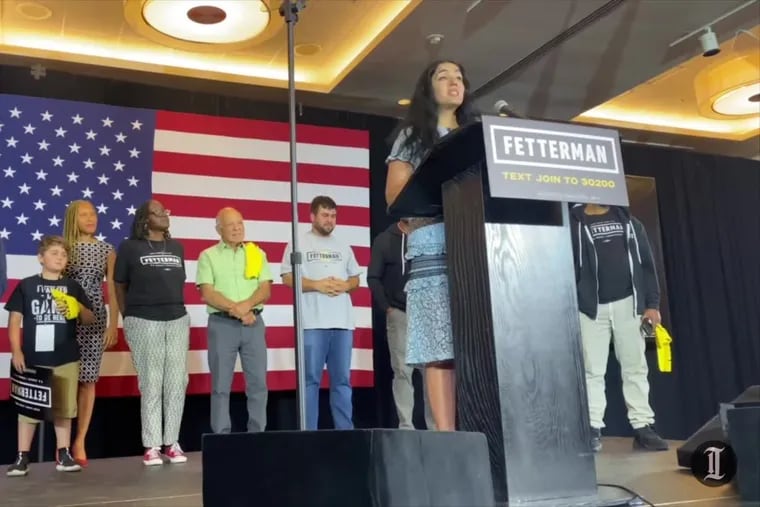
235, 282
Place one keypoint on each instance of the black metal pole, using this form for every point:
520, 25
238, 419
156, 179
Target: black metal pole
289, 10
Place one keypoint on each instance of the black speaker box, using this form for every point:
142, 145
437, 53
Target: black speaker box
713, 429
744, 436
356, 468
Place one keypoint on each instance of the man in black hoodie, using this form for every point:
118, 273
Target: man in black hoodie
386, 277
617, 290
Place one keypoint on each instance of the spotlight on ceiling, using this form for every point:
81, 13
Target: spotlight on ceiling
709, 41
404, 102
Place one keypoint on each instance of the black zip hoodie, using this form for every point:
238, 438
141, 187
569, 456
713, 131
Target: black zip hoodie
386, 274
646, 288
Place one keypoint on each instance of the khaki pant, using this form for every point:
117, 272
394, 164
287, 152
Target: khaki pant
64, 384
616, 321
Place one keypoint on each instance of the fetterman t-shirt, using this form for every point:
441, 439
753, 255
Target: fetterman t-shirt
47, 338
154, 273
614, 273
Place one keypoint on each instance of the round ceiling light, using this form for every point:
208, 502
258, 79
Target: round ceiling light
404, 102
739, 101
208, 21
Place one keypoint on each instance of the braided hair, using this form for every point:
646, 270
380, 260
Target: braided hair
140, 223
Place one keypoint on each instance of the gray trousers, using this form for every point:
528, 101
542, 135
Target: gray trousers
403, 389
226, 339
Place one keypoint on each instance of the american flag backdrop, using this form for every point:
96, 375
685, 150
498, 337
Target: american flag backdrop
53, 152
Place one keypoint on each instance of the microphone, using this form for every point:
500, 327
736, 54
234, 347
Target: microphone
502, 107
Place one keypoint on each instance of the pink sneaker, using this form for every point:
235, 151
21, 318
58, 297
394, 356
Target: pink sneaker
152, 457
175, 454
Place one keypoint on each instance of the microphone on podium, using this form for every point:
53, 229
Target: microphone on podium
502, 107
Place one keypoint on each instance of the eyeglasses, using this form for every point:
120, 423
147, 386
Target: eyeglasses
165, 213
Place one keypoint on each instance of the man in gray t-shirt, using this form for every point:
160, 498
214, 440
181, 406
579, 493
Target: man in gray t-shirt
329, 273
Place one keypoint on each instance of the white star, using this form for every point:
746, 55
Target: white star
7, 203
39, 205
136, 125
103, 179
100, 237
133, 181
9, 172
24, 189
1, 126
46, 116
58, 162
134, 153
41, 174
74, 148
89, 164
56, 191
36, 235
43, 145
73, 177
102, 209
91, 135
54, 221
117, 195
115, 224
118, 166
28, 129
131, 210
12, 142
21, 219
26, 158
16, 113
77, 119
87, 193
120, 137
59, 132
107, 121
105, 150
5, 233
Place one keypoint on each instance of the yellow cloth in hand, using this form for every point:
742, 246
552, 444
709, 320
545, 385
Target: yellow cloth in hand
72, 305
254, 260
663, 341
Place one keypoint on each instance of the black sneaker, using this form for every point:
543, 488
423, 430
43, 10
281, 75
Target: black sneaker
646, 438
20, 467
65, 463
596, 439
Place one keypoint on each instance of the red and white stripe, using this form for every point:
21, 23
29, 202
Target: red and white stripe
204, 163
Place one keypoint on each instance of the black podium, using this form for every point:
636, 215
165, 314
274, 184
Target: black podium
519, 365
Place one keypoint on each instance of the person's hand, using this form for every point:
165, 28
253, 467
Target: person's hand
110, 337
240, 310
17, 358
653, 316
337, 286
249, 319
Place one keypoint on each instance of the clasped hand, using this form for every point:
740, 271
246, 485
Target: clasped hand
332, 286
243, 312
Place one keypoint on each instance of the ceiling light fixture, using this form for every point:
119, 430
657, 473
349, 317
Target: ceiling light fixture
404, 102
208, 21
741, 101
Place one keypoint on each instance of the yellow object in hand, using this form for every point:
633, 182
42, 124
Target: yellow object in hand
663, 341
72, 305
254, 260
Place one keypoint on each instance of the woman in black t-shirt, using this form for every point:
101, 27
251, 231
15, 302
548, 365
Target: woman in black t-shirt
150, 278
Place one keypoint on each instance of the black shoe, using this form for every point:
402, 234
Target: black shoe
65, 463
596, 439
647, 438
20, 467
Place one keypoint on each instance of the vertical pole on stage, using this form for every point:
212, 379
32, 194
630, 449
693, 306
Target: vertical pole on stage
289, 9
41, 443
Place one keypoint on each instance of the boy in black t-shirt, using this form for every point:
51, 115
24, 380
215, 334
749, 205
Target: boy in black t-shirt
49, 306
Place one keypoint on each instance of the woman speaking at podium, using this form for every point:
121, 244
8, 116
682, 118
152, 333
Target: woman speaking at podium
440, 103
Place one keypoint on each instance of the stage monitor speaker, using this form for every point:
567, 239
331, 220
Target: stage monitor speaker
744, 437
373, 468
713, 429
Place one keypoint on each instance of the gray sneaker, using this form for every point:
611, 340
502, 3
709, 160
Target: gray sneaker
65, 463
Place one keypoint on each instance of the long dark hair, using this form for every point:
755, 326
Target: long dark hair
140, 223
422, 116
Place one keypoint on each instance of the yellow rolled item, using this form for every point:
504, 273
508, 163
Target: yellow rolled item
72, 305
663, 341
254, 260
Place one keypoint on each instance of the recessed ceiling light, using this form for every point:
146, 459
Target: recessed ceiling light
208, 21
739, 101
404, 102
33, 11
307, 49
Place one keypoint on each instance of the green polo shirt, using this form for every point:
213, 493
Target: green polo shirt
224, 268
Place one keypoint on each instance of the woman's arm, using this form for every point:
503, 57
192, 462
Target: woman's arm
399, 173
113, 306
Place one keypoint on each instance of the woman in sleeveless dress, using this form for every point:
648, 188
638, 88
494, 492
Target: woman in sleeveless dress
440, 103
91, 262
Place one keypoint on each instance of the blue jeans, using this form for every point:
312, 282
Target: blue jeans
331, 346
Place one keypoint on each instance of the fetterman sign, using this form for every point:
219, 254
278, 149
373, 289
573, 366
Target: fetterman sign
547, 161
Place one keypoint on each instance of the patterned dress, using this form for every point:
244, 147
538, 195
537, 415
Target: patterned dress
89, 269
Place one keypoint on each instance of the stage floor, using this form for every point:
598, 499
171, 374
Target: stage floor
125, 482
